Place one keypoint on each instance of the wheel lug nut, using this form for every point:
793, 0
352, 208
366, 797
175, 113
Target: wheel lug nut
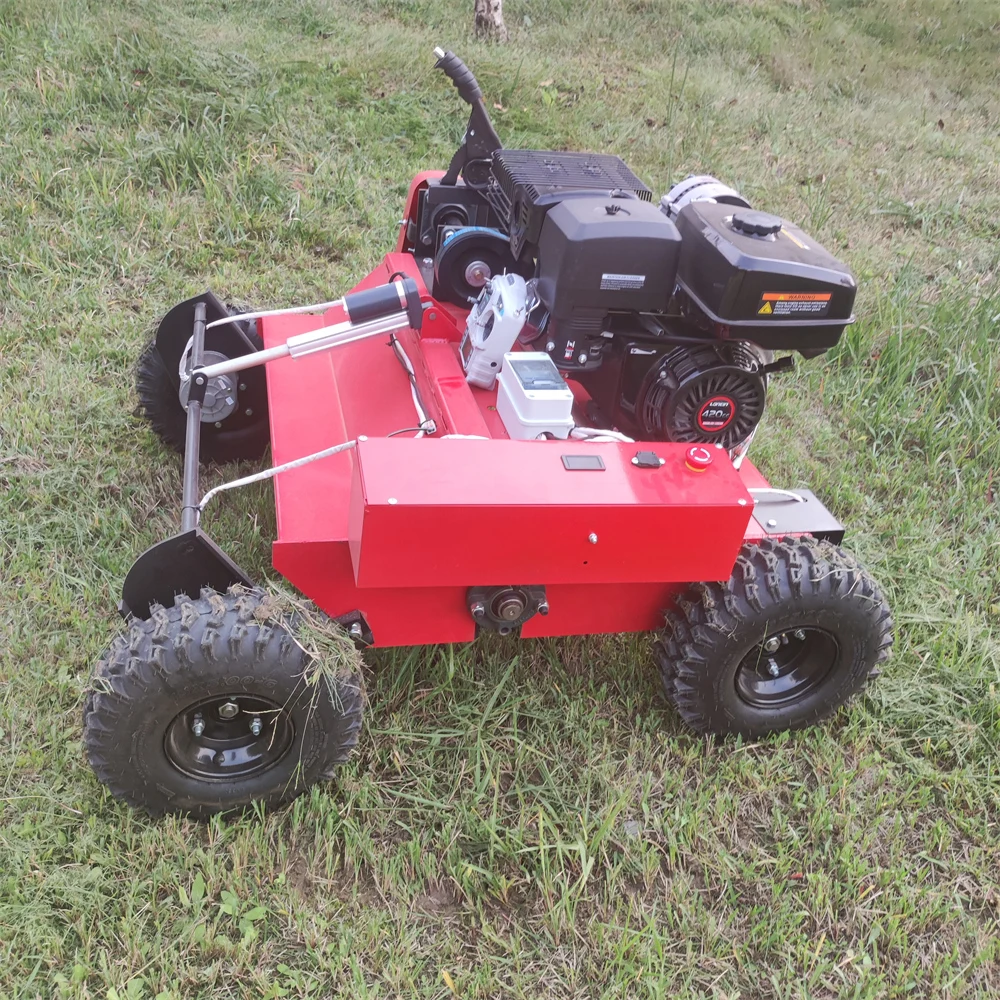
198, 725
229, 710
256, 726
220, 758
772, 668
772, 644
799, 634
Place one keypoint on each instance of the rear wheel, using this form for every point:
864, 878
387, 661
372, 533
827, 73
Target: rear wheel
242, 433
795, 631
212, 704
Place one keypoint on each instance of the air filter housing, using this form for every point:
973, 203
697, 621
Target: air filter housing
525, 183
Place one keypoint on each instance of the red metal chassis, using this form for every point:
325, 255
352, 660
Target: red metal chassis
401, 528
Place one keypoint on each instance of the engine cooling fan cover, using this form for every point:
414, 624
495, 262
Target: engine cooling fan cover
713, 394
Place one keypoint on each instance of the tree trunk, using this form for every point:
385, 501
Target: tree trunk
489, 20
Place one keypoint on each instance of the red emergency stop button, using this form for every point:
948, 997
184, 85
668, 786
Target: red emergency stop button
697, 458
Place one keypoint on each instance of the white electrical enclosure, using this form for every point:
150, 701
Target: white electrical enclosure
533, 399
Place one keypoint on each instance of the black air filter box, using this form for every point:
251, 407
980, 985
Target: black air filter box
763, 278
606, 254
525, 183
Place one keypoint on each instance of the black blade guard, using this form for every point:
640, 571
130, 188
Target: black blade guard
181, 564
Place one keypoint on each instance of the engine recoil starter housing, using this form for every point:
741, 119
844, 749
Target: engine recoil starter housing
713, 394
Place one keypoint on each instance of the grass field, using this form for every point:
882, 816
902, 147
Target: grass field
522, 820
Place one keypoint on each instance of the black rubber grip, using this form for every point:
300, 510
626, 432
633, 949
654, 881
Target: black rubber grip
461, 76
373, 303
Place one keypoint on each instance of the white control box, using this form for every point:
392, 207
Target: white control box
533, 399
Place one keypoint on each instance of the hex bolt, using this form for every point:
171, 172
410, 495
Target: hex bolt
243, 387
248, 412
771, 523
198, 725
218, 424
356, 630
592, 538
550, 346
543, 608
229, 710
772, 668
581, 359
256, 726
478, 609
799, 634
432, 316
772, 644
428, 261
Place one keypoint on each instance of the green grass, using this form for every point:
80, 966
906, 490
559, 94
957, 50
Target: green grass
528, 818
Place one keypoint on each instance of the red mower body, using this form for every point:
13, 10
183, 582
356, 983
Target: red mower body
402, 527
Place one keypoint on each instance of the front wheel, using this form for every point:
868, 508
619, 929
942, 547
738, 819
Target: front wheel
212, 705
795, 631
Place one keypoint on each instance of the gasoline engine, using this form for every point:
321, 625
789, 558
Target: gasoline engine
668, 315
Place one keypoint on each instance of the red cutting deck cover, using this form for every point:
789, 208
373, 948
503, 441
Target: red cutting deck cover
474, 512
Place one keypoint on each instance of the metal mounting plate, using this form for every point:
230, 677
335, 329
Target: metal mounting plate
784, 516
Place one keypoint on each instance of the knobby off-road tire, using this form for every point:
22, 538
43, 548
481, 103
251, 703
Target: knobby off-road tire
794, 633
234, 441
190, 663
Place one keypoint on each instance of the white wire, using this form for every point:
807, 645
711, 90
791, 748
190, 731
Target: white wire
427, 426
786, 493
316, 307
258, 477
598, 435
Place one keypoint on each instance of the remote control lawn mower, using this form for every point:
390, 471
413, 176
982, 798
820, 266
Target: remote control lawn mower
547, 352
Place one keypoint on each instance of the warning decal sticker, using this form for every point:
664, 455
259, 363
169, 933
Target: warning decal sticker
783, 304
620, 282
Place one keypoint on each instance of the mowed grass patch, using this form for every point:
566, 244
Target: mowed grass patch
527, 818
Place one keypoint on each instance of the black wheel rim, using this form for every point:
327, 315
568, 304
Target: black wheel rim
786, 666
203, 743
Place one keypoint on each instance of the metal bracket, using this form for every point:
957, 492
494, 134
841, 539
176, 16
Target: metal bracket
786, 516
357, 628
504, 609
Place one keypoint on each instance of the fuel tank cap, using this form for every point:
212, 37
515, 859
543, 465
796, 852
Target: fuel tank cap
756, 223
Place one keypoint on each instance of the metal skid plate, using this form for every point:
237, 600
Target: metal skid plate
779, 515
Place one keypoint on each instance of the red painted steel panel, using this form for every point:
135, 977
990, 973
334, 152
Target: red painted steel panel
583, 609
397, 616
444, 512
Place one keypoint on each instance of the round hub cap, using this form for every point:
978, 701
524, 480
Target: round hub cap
221, 398
209, 742
786, 666
477, 273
